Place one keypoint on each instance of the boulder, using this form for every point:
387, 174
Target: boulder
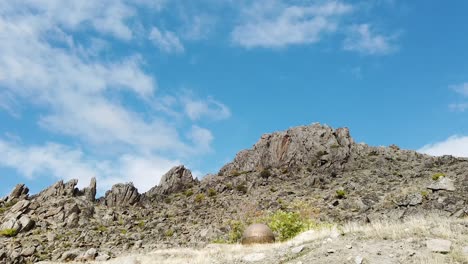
443, 183
122, 195
439, 245
59, 189
257, 234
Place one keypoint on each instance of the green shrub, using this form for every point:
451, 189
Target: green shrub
265, 174
340, 194
237, 229
9, 232
242, 188
437, 176
199, 198
167, 200
141, 224
169, 233
424, 194
188, 192
211, 192
101, 228
229, 186
123, 231
288, 224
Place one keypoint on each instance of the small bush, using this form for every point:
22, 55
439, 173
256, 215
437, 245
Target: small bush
229, 186
211, 192
9, 232
188, 192
288, 224
123, 231
101, 228
242, 188
141, 224
340, 194
437, 176
237, 229
424, 194
265, 174
199, 198
167, 200
169, 233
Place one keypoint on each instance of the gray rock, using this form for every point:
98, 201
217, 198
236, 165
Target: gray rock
465, 251
11, 224
439, 245
358, 260
26, 223
70, 255
443, 183
90, 192
122, 195
175, 180
89, 255
103, 257
297, 249
27, 252
19, 192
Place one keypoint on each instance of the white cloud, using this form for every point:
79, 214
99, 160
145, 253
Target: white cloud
63, 162
210, 108
461, 107
44, 67
273, 24
166, 41
462, 88
455, 145
361, 39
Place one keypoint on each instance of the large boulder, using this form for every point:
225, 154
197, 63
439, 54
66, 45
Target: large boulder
175, 180
257, 234
122, 195
313, 145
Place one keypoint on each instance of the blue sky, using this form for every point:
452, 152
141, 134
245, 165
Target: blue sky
123, 90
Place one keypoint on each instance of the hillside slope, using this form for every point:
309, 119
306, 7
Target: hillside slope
315, 170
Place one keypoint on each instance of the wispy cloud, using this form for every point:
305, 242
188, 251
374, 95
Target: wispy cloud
81, 96
362, 39
275, 24
461, 89
454, 145
166, 41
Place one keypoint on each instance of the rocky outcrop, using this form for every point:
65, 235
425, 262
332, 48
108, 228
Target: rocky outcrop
175, 180
18, 193
315, 169
313, 146
122, 195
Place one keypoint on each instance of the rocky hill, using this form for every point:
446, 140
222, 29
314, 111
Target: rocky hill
317, 170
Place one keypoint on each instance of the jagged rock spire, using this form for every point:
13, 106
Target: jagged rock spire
175, 180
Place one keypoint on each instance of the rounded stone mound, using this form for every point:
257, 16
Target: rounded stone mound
257, 234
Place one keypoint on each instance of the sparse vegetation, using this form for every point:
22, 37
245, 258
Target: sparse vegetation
242, 188
9, 232
101, 228
199, 198
288, 224
340, 194
237, 228
211, 192
188, 192
169, 233
167, 200
424, 194
437, 176
265, 174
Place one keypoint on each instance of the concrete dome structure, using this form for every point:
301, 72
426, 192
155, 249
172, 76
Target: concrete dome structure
257, 234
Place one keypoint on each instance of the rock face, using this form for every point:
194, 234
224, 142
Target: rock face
177, 179
258, 234
313, 145
122, 195
19, 192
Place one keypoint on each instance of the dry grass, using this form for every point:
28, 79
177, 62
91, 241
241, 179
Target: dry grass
416, 228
